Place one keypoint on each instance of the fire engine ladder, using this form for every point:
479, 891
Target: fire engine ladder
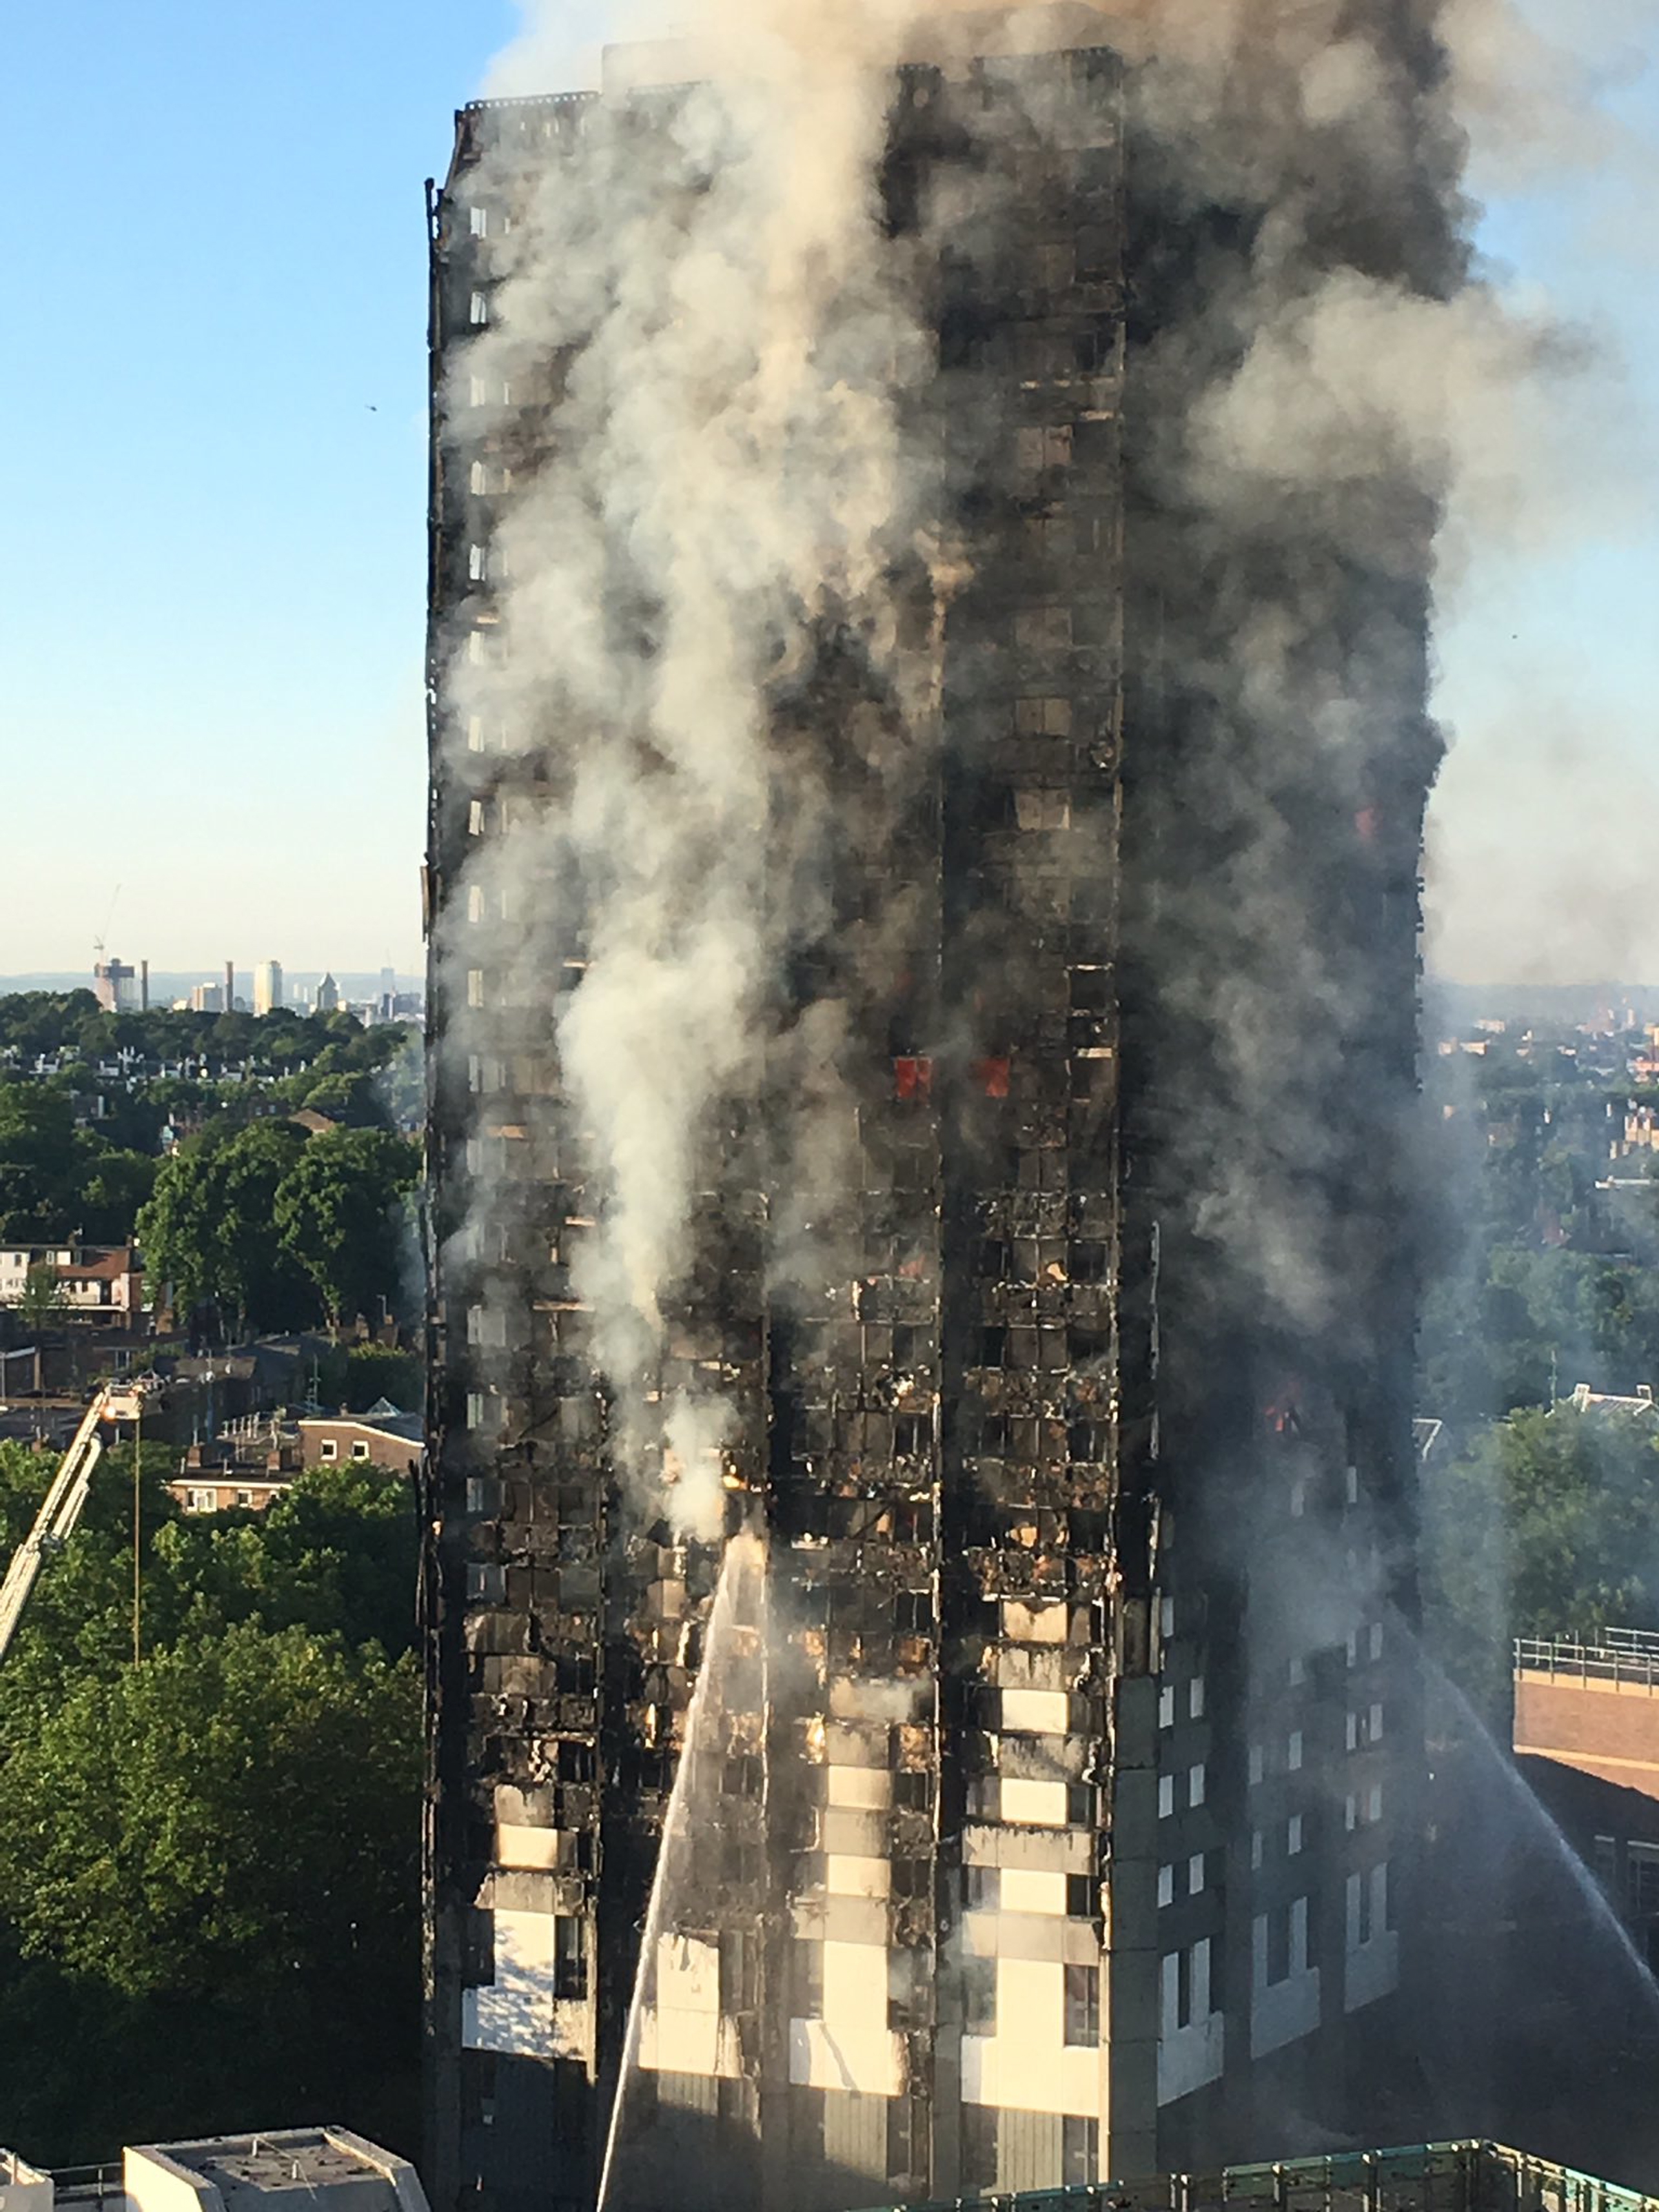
55, 1523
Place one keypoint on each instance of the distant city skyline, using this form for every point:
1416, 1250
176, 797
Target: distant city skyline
184, 978
1537, 994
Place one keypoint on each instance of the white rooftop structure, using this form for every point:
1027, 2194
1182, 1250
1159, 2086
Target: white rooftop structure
298, 2169
1583, 1398
22, 2188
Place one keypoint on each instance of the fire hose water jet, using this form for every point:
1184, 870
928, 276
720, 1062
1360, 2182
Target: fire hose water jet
743, 1570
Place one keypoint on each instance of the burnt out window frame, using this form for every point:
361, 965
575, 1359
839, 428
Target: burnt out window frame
569, 1957
978, 1996
1080, 2000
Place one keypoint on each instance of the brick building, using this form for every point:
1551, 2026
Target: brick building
1593, 1706
1587, 1739
381, 1437
207, 1483
97, 1282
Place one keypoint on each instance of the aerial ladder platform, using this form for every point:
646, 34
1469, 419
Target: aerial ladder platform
54, 1524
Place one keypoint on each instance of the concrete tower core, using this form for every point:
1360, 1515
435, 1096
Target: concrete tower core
1015, 1014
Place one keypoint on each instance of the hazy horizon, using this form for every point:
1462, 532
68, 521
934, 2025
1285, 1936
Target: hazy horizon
69, 979
167, 983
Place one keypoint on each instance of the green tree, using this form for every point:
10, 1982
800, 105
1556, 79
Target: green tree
163, 1830
209, 1877
36, 1022
376, 1049
349, 1097
180, 1228
37, 1158
131, 1118
1546, 1525
341, 1219
42, 1302
402, 1084
373, 1371
210, 1865
264, 1285
81, 1611
210, 1227
96, 1034
336, 1555
116, 1185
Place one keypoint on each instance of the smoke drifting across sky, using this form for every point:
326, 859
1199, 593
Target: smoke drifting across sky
1549, 663
1547, 668
735, 466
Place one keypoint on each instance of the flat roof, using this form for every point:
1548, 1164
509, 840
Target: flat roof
263, 2169
408, 1428
1469, 2176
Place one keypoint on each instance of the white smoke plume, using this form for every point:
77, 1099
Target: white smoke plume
730, 473
730, 352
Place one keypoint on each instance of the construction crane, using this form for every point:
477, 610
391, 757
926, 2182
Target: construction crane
99, 942
54, 1524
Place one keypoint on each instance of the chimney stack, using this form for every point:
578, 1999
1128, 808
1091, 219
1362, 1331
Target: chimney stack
230, 987
143, 987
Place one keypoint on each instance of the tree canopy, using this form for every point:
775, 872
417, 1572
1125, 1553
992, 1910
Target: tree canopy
1546, 1273
273, 1226
37, 1024
1547, 1524
337, 1216
210, 1861
359, 1376
90, 1099
349, 1097
1559, 1511
234, 1811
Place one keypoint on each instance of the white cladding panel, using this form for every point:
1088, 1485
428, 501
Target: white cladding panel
1027, 2065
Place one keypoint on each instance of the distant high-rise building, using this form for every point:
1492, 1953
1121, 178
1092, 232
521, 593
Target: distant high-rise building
207, 999
1037, 1301
120, 989
328, 1000
268, 987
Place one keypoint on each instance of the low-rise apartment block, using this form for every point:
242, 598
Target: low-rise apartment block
383, 1436
94, 1282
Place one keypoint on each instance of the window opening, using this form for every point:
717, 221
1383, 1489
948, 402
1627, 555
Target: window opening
1082, 2008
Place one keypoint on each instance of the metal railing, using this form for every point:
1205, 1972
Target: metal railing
1630, 1639
89, 2184
1614, 1655
1455, 2177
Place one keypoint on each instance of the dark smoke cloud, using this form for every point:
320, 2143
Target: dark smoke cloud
736, 464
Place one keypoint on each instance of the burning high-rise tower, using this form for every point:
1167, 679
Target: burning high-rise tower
929, 637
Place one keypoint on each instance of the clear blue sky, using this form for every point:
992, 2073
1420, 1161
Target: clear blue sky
213, 578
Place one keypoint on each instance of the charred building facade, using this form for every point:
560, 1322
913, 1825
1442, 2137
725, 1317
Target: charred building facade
1016, 1444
